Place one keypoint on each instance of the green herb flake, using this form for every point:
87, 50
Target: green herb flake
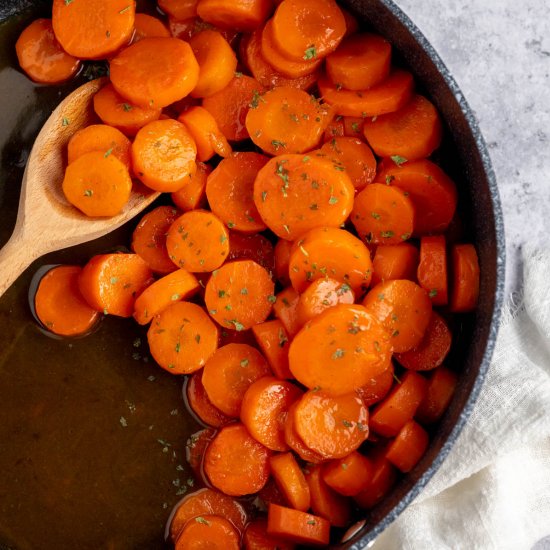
238, 326
108, 152
200, 519
127, 107
433, 293
124, 10
65, 121
272, 299
305, 159
333, 200
123, 422
264, 196
175, 297
238, 74
198, 338
223, 238
67, 2
395, 333
347, 423
398, 159
377, 346
389, 179
310, 53
355, 127
314, 206
387, 234
405, 236
177, 347
88, 192
256, 98
244, 291
380, 297
278, 144
338, 354
311, 522
221, 293
114, 280
286, 228
231, 225
344, 466
244, 363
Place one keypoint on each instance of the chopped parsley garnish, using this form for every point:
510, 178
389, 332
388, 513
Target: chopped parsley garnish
398, 159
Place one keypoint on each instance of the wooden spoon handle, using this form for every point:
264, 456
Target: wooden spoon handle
15, 257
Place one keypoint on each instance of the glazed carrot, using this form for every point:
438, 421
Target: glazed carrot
186, 28
352, 25
193, 194
287, 120
330, 252
59, 305
291, 480
146, 26
213, 532
295, 193
102, 28
285, 308
272, 339
431, 191
334, 129
98, 184
270, 492
350, 475
217, 62
413, 132
360, 62
296, 443
353, 126
180, 285
179, 9
293, 525
239, 295
408, 447
400, 405
403, 308
241, 15
256, 538
254, 247
282, 261
441, 387
230, 191
99, 137
264, 408
383, 214
383, 478
228, 336
396, 261
230, 106
111, 282
200, 404
236, 463
465, 279
116, 111
378, 387
41, 56
196, 446
340, 350
182, 338
332, 426
387, 97
149, 239
229, 373
356, 158
155, 72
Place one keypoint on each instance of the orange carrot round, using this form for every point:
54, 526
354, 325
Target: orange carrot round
241, 15
432, 269
193, 194
408, 447
295, 442
293, 525
273, 341
200, 403
334, 129
282, 261
196, 446
396, 261
378, 387
186, 28
441, 387
254, 247
291, 480
270, 492
349, 475
179, 9
353, 126
257, 538
465, 278
213, 532
99, 137
383, 478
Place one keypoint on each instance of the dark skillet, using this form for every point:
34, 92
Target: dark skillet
71, 475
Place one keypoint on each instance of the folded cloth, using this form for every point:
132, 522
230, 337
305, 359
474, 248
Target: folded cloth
493, 490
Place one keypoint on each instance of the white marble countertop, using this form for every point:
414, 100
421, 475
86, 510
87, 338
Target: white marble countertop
499, 53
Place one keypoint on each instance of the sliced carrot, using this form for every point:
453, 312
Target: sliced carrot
356, 158
352, 25
291, 480
295, 526
360, 62
408, 447
403, 308
213, 532
441, 387
272, 338
465, 281
383, 214
332, 426
239, 295
102, 28
270, 492
193, 194
285, 308
396, 261
378, 387
257, 538
334, 129
400, 405
387, 97
340, 350
230, 106
383, 478
287, 120
236, 463
59, 304
111, 282
186, 28
330, 252
116, 111
230, 191
42, 57
282, 261
99, 137
241, 15
296, 193
296, 443
182, 338
179, 9
147, 26
200, 404
432, 192
264, 408
228, 336
254, 247
195, 448
353, 126
350, 475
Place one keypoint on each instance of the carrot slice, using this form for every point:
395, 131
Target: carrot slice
146, 26
334, 129
116, 111
102, 28
213, 532
353, 126
111, 282
431, 191
282, 261
254, 247
340, 350
230, 191
179, 285
196, 446
230, 106
400, 405
413, 132
330, 252
99, 137
257, 538
349, 475
273, 340
360, 62
441, 387
285, 308
193, 194
383, 214
239, 295
264, 408
387, 97
296, 193
403, 308
295, 526
42, 57
296, 443
465, 287
408, 447
236, 463
179, 9
383, 478
182, 338
287, 120
291, 480
200, 404
378, 387
397, 261
59, 305
228, 336
241, 15
332, 426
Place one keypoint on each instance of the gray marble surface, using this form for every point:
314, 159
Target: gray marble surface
499, 53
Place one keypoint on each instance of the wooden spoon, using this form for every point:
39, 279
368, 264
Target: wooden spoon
45, 220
